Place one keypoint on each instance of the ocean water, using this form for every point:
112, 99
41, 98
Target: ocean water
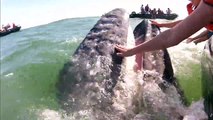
32, 58
30, 64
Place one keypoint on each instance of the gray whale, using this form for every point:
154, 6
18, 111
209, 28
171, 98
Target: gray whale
91, 80
98, 85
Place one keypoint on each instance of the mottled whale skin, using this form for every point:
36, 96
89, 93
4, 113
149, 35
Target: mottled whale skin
96, 84
90, 80
96, 55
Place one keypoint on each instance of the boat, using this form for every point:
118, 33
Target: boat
150, 16
10, 30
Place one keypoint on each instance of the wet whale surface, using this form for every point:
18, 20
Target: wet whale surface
88, 80
96, 84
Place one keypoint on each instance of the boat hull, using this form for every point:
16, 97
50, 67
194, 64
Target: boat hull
149, 16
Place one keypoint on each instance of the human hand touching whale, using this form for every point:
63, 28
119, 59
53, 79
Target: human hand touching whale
123, 51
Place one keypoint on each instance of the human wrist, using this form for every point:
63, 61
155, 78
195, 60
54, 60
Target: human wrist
132, 51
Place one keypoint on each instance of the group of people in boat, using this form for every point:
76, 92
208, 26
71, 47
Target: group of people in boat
8, 27
154, 12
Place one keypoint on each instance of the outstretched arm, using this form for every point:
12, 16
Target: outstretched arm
199, 38
175, 35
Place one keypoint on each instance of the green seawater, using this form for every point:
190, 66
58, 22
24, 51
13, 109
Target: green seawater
30, 63
186, 59
190, 82
31, 86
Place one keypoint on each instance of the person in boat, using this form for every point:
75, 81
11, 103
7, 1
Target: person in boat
13, 25
203, 36
147, 9
154, 13
159, 12
200, 17
5, 28
168, 11
2, 29
142, 9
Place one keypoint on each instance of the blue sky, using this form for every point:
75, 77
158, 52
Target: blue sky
30, 13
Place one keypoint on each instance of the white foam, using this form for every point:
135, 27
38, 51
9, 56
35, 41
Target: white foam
10, 74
